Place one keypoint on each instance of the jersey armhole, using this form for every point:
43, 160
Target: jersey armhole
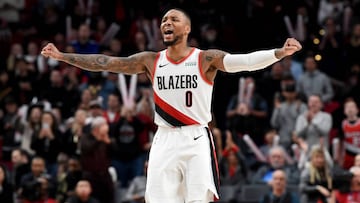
155, 66
203, 76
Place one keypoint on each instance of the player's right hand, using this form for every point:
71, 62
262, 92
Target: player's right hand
51, 51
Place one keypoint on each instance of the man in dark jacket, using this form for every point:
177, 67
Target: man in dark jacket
95, 160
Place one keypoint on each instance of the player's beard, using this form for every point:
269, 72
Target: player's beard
173, 42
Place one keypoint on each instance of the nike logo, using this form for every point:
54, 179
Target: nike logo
195, 138
162, 65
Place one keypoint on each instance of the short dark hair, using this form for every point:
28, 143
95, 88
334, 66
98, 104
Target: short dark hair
186, 14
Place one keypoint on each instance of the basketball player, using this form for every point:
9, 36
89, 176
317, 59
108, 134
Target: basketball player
182, 161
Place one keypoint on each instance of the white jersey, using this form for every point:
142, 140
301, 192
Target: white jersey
182, 94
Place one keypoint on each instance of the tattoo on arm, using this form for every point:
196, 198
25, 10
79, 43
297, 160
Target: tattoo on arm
214, 54
209, 58
102, 60
91, 62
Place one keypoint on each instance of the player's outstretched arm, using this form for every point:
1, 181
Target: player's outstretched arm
259, 59
133, 64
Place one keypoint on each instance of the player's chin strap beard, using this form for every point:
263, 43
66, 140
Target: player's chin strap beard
170, 43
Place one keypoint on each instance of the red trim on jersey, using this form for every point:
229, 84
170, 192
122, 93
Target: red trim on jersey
173, 112
203, 76
155, 65
183, 59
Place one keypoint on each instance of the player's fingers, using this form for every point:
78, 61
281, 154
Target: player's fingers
294, 42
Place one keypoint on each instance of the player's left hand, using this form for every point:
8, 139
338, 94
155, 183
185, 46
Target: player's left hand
290, 46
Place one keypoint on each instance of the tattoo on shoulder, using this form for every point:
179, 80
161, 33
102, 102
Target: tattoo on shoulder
213, 54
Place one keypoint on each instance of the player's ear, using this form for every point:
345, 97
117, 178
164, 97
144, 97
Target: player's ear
187, 29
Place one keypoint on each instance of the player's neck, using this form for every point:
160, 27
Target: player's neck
178, 51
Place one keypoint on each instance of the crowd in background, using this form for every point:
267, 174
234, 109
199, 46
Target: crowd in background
291, 130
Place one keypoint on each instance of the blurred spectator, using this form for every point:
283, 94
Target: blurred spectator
112, 113
107, 86
55, 92
32, 126
86, 98
116, 47
285, 112
35, 59
71, 139
10, 10
62, 124
71, 83
5, 40
313, 125
209, 36
232, 167
6, 187
83, 193
11, 128
95, 110
313, 81
127, 134
136, 191
145, 112
140, 42
293, 67
49, 12
352, 194
16, 51
270, 83
7, 87
350, 134
330, 8
331, 46
279, 192
61, 172
277, 160
353, 45
269, 140
316, 178
25, 76
20, 166
100, 29
357, 161
144, 34
47, 141
95, 159
37, 186
73, 176
246, 111
84, 44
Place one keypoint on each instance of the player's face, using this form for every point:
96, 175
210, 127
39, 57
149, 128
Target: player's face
174, 27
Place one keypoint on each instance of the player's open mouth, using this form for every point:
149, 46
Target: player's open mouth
168, 33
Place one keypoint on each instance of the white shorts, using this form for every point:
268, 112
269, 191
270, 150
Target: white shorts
182, 166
